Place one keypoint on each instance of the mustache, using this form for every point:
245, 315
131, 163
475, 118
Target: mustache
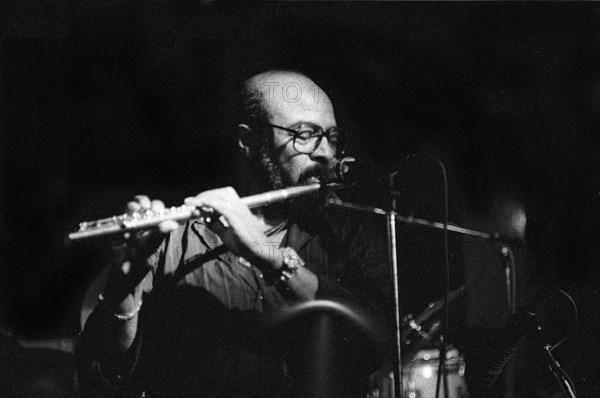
315, 170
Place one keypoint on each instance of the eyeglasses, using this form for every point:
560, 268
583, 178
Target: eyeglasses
307, 137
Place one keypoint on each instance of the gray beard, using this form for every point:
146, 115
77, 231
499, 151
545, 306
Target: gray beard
272, 171
307, 208
274, 178
275, 175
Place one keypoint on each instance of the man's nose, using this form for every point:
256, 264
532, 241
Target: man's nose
323, 152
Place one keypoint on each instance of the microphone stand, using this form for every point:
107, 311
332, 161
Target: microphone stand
391, 224
392, 218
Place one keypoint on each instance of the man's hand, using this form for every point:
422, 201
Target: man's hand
124, 284
130, 251
142, 243
238, 228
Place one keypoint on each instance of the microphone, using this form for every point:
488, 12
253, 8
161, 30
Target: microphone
341, 171
348, 171
548, 321
518, 325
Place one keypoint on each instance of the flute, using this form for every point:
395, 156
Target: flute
149, 218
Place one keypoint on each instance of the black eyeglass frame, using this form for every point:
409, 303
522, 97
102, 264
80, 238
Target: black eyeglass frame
319, 132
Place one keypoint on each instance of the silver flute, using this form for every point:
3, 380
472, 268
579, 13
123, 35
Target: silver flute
150, 218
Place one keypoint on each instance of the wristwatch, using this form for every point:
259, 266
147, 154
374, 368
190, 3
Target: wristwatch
291, 263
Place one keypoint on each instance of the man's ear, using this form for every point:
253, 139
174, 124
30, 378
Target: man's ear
246, 139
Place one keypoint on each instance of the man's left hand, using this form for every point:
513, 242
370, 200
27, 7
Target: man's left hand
239, 229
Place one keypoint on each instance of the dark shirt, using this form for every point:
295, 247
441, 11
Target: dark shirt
209, 324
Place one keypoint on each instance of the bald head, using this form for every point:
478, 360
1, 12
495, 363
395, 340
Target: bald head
282, 93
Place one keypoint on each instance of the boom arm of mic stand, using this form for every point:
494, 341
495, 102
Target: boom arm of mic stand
490, 237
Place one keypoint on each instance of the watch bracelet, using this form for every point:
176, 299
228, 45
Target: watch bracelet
291, 263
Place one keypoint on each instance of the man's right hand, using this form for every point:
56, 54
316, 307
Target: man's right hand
124, 283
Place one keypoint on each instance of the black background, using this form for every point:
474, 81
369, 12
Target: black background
103, 101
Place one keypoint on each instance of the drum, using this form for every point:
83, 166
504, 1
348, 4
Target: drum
420, 376
420, 363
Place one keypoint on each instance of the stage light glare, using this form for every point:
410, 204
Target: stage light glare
427, 372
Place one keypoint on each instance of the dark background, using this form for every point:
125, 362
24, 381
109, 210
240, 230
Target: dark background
103, 101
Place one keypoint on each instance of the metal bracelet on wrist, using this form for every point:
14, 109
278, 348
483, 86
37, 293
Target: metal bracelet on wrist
124, 317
